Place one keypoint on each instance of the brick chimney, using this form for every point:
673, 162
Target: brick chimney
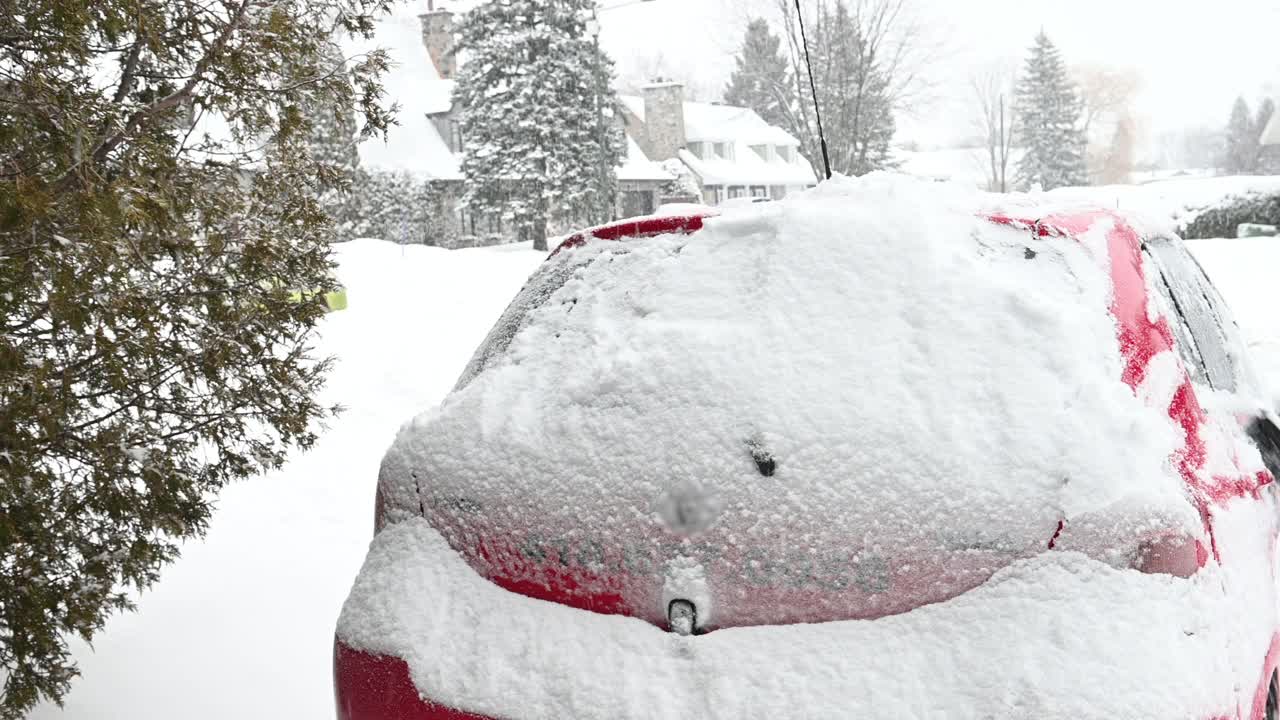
664, 119
437, 35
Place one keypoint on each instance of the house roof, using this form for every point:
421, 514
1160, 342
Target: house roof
437, 94
413, 145
748, 168
638, 167
706, 122
1271, 133
742, 128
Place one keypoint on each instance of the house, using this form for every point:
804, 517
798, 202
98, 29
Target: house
676, 151
731, 151
1271, 133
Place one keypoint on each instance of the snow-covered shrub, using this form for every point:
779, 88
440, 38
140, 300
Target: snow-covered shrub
400, 208
1221, 221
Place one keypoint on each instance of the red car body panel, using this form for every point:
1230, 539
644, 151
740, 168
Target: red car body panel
376, 687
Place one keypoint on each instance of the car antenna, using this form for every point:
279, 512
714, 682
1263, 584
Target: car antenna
813, 87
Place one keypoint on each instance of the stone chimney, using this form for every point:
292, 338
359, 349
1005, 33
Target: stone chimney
437, 35
664, 119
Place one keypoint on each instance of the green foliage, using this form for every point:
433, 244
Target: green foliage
1222, 221
159, 200
400, 208
762, 79
334, 133
536, 150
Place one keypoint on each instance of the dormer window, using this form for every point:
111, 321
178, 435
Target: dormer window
699, 150
786, 153
764, 152
724, 150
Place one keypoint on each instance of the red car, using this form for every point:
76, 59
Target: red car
879, 450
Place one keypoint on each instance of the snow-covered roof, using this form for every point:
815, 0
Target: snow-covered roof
746, 132
1271, 133
706, 122
638, 167
749, 168
413, 145
438, 95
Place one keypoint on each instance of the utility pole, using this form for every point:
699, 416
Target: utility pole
607, 206
1004, 149
604, 213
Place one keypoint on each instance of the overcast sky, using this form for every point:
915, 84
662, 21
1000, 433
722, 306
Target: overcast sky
1194, 56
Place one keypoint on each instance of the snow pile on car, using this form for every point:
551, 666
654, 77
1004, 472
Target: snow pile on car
925, 382
1058, 636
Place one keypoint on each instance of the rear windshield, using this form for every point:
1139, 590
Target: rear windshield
544, 283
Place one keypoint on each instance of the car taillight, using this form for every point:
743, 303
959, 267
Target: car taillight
1176, 554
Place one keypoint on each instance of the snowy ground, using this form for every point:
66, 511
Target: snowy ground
241, 626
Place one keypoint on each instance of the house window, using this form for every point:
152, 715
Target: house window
737, 191
713, 194
787, 154
455, 139
759, 191
637, 202
777, 192
725, 150
699, 150
762, 151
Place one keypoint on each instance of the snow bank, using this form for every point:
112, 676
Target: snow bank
1177, 200
937, 392
1055, 636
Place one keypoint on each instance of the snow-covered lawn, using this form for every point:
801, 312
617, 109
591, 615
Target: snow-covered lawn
242, 625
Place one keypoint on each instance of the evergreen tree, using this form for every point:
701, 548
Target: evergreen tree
1117, 163
537, 148
333, 138
1263, 158
150, 351
1048, 114
761, 81
333, 135
857, 109
1241, 142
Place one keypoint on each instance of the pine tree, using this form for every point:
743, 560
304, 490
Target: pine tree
537, 147
158, 213
1048, 115
762, 80
857, 109
1241, 143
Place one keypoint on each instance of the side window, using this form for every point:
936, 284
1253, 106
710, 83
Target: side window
1200, 310
1182, 337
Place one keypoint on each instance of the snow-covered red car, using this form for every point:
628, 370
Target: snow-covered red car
883, 449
